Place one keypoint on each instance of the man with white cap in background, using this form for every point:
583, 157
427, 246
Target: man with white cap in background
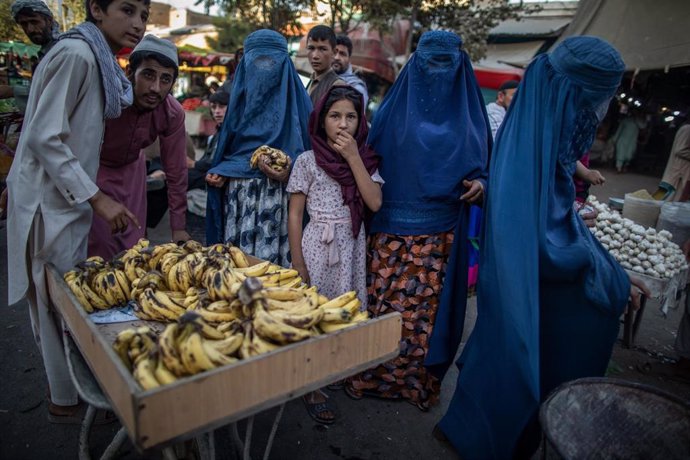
155, 114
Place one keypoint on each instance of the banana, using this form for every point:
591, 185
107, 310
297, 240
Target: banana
219, 306
273, 329
352, 306
71, 275
94, 298
206, 330
161, 304
75, 286
255, 270
191, 246
158, 252
180, 276
169, 260
238, 257
336, 315
141, 244
292, 283
340, 300
216, 357
169, 353
302, 321
163, 375
328, 327
154, 279
229, 345
135, 267
283, 293
99, 284
260, 346
124, 283
193, 355
217, 249
322, 300
121, 345
221, 284
144, 373
360, 317
214, 316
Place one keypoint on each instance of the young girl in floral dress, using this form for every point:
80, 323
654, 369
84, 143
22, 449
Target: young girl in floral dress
338, 182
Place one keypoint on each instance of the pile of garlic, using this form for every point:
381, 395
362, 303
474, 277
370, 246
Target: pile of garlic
642, 250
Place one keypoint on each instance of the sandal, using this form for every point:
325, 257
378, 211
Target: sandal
315, 410
76, 417
336, 386
352, 393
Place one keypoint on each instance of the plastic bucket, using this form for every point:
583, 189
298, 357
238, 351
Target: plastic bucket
643, 212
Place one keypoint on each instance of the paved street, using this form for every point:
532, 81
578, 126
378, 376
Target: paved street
367, 429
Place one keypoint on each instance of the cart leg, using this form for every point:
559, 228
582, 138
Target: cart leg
248, 439
269, 444
205, 446
638, 317
169, 453
115, 444
84, 433
628, 327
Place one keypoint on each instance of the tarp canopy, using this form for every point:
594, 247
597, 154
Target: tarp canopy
650, 34
22, 49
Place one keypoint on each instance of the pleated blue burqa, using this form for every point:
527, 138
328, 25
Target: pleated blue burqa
549, 295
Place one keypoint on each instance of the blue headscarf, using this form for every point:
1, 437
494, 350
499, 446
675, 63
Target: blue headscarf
268, 106
431, 133
534, 241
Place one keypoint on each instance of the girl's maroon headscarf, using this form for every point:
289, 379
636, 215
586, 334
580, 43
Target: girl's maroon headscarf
335, 165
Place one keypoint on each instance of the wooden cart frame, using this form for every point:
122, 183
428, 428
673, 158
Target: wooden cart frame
215, 398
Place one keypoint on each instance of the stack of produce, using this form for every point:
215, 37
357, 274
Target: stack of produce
642, 250
220, 308
277, 159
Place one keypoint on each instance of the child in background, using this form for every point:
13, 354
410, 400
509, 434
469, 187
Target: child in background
338, 181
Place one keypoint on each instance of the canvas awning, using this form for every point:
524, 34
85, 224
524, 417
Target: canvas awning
510, 55
649, 34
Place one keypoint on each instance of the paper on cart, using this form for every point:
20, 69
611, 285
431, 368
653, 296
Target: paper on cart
114, 315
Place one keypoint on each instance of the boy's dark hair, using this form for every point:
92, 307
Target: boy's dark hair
338, 93
103, 5
136, 59
345, 41
509, 84
322, 32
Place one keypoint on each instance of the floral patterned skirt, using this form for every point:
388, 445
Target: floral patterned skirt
256, 218
405, 274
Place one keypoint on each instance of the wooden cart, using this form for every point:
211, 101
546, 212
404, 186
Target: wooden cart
212, 399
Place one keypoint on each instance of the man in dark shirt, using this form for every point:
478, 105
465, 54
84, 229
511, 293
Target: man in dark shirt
321, 51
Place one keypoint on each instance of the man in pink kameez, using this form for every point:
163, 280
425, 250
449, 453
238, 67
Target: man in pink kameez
155, 114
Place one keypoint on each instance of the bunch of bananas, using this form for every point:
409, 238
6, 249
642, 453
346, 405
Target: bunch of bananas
277, 159
214, 333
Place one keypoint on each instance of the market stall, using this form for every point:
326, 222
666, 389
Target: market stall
198, 403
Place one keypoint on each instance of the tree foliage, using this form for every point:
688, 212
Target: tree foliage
280, 15
231, 34
72, 13
9, 30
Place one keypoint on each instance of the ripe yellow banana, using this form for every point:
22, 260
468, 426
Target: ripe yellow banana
328, 327
216, 357
336, 315
169, 353
273, 329
163, 375
121, 345
144, 373
352, 306
302, 321
94, 299
229, 345
238, 257
193, 354
207, 331
124, 283
260, 346
292, 283
215, 317
169, 260
158, 253
340, 300
152, 306
192, 246
255, 270
282, 293
75, 285
141, 244
101, 287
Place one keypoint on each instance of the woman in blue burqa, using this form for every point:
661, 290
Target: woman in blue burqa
433, 137
268, 106
550, 296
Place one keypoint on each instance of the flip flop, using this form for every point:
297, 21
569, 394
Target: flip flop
352, 393
102, 417
315, 409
